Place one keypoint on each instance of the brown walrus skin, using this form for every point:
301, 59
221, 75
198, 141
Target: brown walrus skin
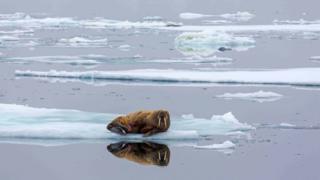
145, 153
141, 122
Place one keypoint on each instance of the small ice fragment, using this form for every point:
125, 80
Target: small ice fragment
124, 47
188, 15
286, 125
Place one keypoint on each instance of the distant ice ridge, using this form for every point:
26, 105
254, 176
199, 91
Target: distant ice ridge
259, 96
300, 21
96, 59
28, 21
287, 126
296, 77
207, 43
82, 42
238, 16
23, 122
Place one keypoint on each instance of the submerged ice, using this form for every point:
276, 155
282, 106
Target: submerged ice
208, 43
23, 122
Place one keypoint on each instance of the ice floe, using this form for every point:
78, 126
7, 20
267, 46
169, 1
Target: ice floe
307, 77
24, 122
208, 43
259, 96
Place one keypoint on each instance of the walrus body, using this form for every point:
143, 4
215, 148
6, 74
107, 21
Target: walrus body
145, 153
141, 122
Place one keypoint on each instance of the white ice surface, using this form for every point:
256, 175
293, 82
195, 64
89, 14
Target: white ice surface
295, 76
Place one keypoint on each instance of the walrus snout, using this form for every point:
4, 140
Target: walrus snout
117, 128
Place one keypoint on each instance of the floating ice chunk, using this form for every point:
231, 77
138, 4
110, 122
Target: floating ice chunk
259, 96
295, 76
286, 125
23, 122
188, 15
208, 43
125, 47
9, 38
238, 16
224, 145
82, 42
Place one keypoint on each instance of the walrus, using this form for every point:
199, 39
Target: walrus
145, 153
141, 122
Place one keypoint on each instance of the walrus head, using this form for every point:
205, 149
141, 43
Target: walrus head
117, 126
163, 119
147, 153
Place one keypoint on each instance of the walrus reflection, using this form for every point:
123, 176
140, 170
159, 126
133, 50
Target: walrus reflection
145, 153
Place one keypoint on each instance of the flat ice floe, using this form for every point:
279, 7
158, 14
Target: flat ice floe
294, 77
18, 122
259, 96
208, 43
